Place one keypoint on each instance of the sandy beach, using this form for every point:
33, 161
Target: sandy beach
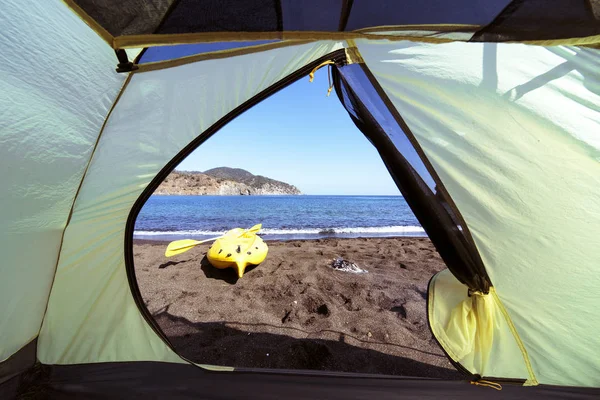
295, 312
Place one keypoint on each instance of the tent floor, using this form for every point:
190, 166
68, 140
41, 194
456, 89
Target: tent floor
156, 380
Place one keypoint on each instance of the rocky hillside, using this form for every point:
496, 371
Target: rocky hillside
222, 181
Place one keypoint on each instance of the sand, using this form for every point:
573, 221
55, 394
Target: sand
295, 312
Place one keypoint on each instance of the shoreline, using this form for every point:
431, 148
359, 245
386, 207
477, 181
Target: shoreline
410, 232
296, 312
143, 241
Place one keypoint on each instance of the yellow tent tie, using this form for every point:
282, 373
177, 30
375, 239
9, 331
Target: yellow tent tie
493, 385
312, 74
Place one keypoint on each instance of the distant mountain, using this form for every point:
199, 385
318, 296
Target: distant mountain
234, 174
222, 181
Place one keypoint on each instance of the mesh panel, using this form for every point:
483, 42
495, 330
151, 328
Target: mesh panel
126, 17
392, 12
516, 20
223, 16
371, 115
162, 53
311, 15
543, 19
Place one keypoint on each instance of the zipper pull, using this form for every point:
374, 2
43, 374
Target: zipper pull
312, 74
490, 384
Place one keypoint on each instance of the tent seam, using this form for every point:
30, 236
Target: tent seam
215, 55
352, 54
91, 22
151, 40
442, 28
532, 378
85, 171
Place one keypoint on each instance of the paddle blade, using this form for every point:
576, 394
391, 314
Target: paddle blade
252, 231
180, 246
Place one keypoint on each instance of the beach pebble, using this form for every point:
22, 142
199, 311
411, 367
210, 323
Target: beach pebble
369, 334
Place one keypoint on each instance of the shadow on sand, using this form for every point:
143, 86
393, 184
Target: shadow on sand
216, 343
228, 275
169, 263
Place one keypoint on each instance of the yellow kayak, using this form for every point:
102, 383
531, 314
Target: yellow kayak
237, 250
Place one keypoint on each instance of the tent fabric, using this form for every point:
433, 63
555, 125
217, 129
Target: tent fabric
159, 113
512, 131
57, 86
510, 20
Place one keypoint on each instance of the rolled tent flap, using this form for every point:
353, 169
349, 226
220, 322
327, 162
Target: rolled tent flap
471, 326
475, 330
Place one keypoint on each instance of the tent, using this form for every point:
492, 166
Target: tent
486, 114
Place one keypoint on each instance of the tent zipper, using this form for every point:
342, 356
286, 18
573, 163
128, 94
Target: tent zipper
504, 381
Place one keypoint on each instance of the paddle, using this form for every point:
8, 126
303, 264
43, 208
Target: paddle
181, 246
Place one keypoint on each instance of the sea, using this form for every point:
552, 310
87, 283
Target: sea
282, 217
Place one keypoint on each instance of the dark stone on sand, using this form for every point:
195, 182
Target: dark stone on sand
323, 310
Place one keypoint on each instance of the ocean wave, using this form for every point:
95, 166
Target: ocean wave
378, 230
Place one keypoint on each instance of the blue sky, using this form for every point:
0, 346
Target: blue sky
302, 137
